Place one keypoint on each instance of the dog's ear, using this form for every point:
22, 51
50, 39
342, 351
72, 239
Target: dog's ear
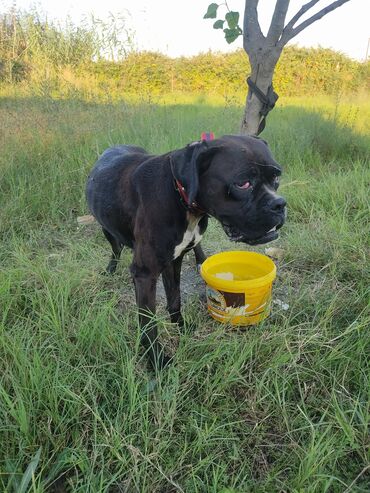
187, 164
258, 138
264, 141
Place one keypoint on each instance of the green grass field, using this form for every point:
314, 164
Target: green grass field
282, 407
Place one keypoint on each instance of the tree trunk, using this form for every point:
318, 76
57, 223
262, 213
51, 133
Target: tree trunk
262, 73
264, 51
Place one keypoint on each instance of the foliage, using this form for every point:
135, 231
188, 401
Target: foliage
299, 71
98, 56
233, 31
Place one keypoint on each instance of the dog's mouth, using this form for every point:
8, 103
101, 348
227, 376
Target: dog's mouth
235, 235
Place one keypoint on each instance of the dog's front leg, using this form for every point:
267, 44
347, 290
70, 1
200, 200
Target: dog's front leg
171, 283
200, 256
145, 289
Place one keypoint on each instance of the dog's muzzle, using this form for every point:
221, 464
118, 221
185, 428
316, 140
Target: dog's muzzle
237, 236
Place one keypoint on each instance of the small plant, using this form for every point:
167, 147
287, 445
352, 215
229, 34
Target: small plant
233, 31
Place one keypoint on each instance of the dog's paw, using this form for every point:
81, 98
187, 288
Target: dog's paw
185, 326
188, 327
160, 361
166, 361
111, 268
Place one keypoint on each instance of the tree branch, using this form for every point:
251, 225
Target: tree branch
253, 35
289, 32
299, 14
278, 21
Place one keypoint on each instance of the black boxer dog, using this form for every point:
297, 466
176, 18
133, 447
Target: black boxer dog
159, 206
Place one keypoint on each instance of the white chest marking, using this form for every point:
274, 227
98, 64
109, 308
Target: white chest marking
191, 235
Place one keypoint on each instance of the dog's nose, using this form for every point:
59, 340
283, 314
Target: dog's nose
278, 205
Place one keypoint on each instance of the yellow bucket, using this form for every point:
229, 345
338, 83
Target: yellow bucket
239, 286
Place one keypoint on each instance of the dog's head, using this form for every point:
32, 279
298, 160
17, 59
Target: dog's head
234, 179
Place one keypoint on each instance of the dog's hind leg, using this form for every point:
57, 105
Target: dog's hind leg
171, 283
200, 256
116, 252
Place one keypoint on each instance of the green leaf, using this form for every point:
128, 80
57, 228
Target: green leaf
231, 34
218, 24
29, 472
211, 12
232, 19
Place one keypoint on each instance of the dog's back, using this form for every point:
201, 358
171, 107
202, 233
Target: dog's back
113, 162
105, 185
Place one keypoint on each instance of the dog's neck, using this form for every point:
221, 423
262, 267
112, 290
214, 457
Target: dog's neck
191, 207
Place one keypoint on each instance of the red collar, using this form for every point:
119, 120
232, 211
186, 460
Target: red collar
191, 207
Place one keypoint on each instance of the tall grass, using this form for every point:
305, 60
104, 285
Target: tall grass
33, 47
279, 407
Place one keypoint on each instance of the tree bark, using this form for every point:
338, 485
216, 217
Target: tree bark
262, 71
252, 117
263, 54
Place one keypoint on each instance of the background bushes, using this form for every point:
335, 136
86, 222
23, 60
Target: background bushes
300, 70
100, 55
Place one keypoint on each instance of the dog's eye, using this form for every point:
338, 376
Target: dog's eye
243, 186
